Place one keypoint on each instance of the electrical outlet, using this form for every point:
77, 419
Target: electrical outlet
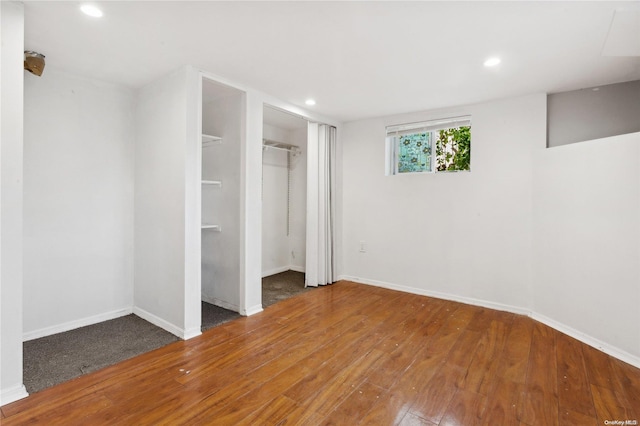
363, 247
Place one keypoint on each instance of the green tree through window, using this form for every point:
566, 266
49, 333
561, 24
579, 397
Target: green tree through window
453, 149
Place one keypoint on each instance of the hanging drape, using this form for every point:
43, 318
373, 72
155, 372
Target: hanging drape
321, 192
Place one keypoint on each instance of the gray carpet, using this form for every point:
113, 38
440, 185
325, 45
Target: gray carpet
214, 315
282, 286
60, 357
54, 359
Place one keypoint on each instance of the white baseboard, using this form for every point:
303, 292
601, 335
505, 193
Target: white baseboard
12, 394
222, 304
274, 271
578, 335
252, 310
72, 325
156, 320
283, 269
589, 340
191, 333
438, 295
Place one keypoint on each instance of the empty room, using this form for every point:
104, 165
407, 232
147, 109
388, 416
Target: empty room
443, 198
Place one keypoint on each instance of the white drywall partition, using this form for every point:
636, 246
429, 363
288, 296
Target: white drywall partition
11, 164
159, 201
251, 207
587, 241
78, 202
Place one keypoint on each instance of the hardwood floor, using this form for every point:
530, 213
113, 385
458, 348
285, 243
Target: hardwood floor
352, 354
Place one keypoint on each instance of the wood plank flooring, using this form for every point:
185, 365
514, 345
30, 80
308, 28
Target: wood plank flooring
350, 354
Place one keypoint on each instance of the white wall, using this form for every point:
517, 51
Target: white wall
554, 233
275, 242
221, 250
465, 235
251, 206
160, 201
587, 239
298, 207
281, 252
11, 165
78, 202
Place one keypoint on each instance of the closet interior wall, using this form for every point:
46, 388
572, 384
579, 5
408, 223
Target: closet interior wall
284, 182
79, 136
222, 112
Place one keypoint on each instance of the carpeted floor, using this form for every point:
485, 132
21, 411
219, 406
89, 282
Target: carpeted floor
213, 315
60, 357
282, 286
54, 359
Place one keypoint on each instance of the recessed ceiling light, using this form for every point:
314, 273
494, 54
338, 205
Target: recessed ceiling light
91, 10
492, 62
310, 102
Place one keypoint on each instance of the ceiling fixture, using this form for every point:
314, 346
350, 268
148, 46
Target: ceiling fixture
34, 62
91, 10
492, 62
310, 102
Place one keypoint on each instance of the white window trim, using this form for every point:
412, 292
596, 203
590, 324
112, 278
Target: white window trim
430, 126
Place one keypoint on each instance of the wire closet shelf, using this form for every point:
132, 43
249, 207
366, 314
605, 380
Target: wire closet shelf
271, 144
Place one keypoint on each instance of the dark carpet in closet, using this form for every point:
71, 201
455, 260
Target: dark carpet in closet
60, 357
282, 286
213, 315
54, 359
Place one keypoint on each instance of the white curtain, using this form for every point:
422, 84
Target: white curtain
321, 191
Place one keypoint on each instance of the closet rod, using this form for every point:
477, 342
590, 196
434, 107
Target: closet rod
267, 143
280, 148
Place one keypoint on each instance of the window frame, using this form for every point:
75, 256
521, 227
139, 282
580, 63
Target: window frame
394, 133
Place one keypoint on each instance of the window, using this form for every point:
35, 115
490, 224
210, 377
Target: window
429, 146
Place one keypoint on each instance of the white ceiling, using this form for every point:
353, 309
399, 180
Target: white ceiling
283, 119
357, 59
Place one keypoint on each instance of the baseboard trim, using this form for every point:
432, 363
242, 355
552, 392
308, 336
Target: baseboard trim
274, 271
222, 304
439, 295
156, 320
72, 325
13, 394
190, 334
281, 269
578, 335
252, 310
589, 340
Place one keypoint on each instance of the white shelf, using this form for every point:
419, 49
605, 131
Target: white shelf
211, 227
212, 182
208, 140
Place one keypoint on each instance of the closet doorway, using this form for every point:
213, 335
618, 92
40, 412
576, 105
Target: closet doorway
284, 199
222, 133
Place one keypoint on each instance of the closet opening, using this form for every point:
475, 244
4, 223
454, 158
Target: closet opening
284, 198
222, 133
